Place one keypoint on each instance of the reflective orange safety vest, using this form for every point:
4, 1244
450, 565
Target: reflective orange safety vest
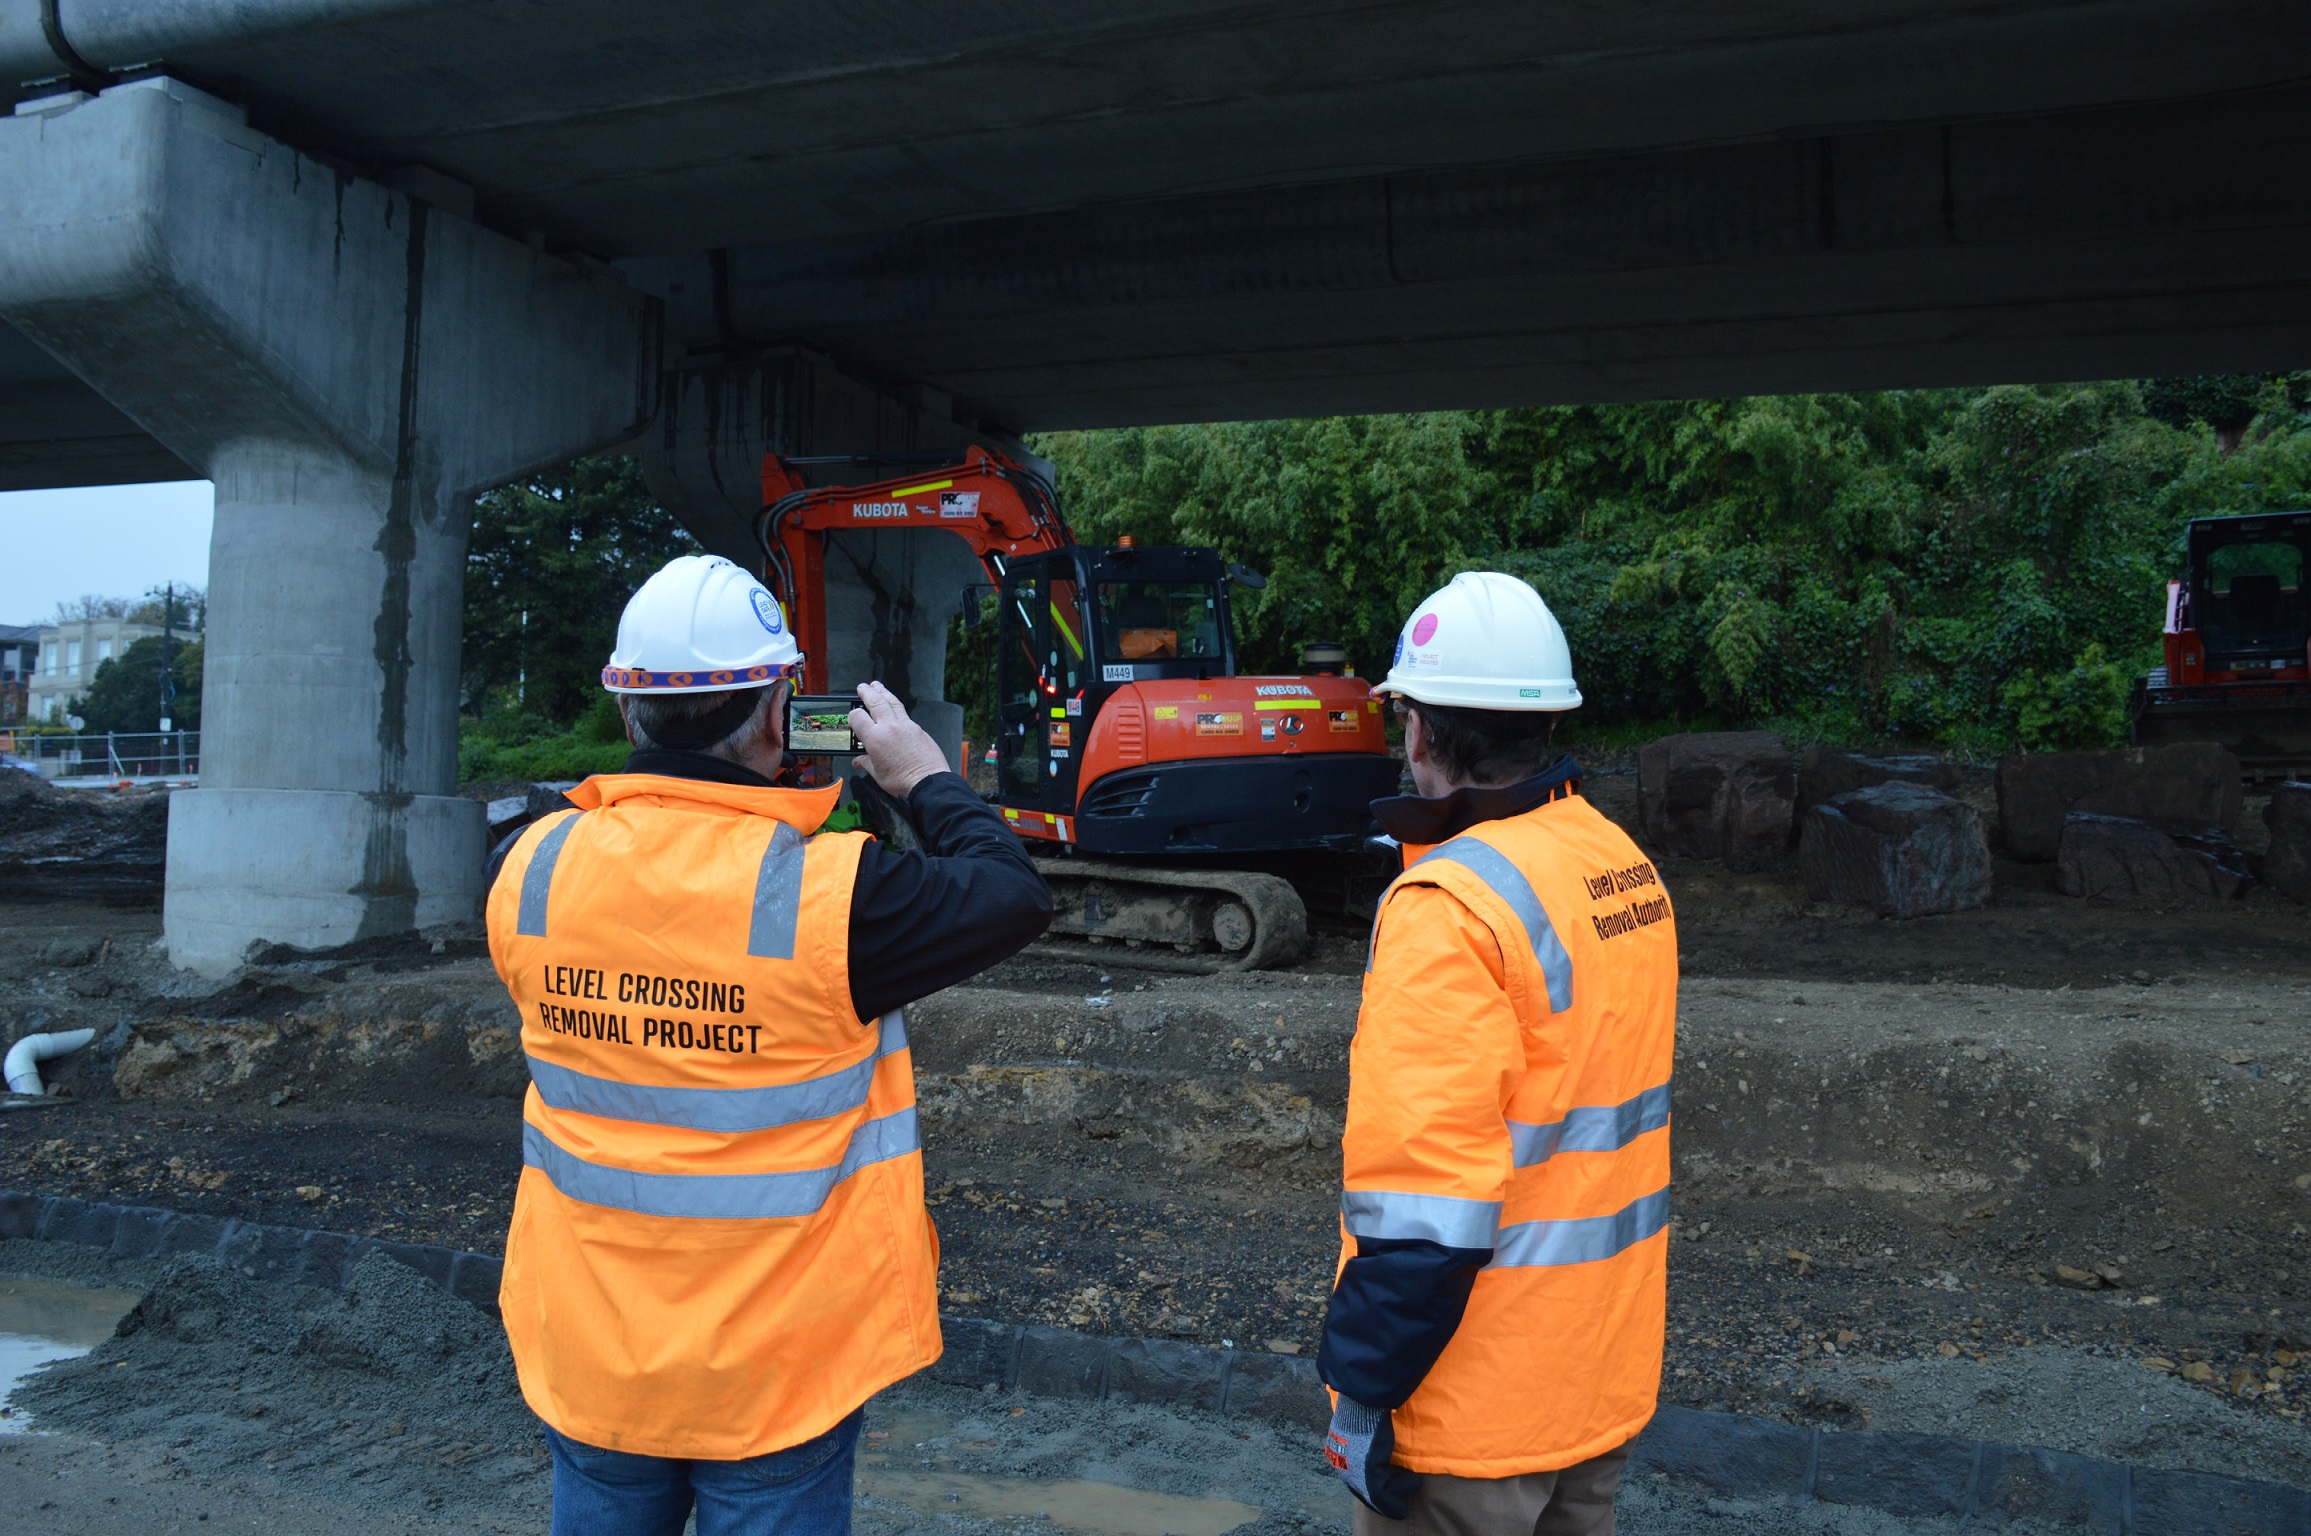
719, 1245
1509, 1089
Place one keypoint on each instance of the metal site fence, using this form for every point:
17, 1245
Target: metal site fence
107, 758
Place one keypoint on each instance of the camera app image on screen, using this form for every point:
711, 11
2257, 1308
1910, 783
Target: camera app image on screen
821, 724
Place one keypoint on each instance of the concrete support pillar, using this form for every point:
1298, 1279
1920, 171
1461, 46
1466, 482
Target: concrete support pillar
349, 366
889, 594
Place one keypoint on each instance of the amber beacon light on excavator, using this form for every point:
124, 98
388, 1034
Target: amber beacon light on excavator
1185, 807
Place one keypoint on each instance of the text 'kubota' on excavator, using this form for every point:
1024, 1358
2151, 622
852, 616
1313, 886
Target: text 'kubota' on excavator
1173, 796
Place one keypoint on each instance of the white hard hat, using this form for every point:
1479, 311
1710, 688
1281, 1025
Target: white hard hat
1484, 640
701, 625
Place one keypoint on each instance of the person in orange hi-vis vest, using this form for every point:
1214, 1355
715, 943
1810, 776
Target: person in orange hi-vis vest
1494, 1337
719, 1248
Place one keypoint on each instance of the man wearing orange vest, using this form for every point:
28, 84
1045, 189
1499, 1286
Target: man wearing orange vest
719, 1247
1494, 1337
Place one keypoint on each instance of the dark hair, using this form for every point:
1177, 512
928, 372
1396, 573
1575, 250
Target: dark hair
694, 722
1488, 746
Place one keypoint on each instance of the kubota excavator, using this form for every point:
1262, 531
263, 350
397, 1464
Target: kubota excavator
1127, 745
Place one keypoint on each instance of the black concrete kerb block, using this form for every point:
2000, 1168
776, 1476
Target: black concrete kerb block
1284, 1388
1901, 1474
1056, 1363
1166, 1371
978, 1353
2053, 1487
1731, 1452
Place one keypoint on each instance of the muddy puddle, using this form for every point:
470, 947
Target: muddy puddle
891, 1466
43, 1321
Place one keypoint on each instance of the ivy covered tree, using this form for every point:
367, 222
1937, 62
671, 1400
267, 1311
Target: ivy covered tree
1968, 567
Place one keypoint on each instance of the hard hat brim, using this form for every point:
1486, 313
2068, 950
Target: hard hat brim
1483, 693
640, 680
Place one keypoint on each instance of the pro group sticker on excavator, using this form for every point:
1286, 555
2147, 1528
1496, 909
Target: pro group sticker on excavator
1220, 722
958, 503
1344, 720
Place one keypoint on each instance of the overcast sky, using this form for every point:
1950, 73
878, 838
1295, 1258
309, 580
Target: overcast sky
110, 541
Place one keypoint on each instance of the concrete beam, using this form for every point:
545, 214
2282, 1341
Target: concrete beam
349, 366
64, 433
2113, 241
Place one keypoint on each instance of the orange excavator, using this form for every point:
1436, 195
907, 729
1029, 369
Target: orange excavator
1168, 789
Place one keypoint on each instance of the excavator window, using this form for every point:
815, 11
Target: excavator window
1159, 621
1064, 658
1042, 667
2253, 598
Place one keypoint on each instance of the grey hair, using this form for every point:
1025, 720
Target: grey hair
697, 722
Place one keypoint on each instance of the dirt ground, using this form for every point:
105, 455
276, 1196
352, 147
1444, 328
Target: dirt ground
1900, 1147
225, 1405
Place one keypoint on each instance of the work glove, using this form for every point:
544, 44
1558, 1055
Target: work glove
1359, 1446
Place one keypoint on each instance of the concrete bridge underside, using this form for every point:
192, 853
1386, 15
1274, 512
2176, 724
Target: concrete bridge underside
358, 259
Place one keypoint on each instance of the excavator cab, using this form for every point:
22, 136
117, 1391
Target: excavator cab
2238, 645
1078, 623
1124, 730
2247, 595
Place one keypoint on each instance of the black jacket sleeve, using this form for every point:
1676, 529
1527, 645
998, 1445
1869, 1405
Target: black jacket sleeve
1397, 1306
922, 921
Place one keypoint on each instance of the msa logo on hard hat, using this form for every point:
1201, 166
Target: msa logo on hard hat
765, 609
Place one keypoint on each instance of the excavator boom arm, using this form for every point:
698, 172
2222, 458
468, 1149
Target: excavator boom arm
1000, 508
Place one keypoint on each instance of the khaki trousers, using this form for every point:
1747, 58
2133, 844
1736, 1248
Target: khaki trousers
1575, 1501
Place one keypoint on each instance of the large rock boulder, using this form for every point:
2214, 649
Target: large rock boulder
2190, 782
1901, 850
1728, 795
1828, 773
2125, 858
2287, 866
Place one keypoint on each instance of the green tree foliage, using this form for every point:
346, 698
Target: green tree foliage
1970, 567
550, 565
2227, 402
124, 695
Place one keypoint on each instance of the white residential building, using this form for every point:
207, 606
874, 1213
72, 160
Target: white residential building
19, 655
69, 656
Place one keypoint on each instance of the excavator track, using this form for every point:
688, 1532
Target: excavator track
1194, 920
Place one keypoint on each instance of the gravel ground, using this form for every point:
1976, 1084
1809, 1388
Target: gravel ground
224, 1405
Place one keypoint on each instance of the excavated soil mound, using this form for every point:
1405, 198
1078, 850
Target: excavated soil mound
83, 844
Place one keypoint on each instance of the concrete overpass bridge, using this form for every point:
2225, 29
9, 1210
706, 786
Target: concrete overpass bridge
356, 260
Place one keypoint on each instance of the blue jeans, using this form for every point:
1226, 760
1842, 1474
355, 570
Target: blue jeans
804, 1490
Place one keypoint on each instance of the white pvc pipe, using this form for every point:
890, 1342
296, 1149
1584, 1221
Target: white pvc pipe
22, 1068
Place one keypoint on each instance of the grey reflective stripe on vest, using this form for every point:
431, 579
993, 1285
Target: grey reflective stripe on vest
777, 896
538, 879
1604, 1128
717, 1196
1508, 882
1583, 1239
727, 1110
1388, 1213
